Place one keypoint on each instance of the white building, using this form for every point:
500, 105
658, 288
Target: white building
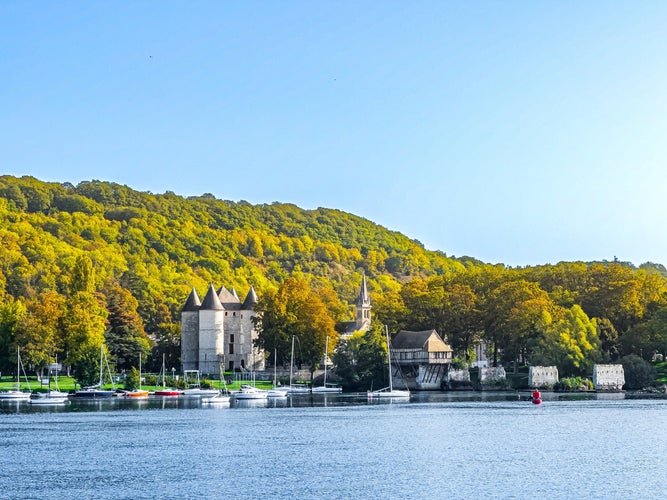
218, 331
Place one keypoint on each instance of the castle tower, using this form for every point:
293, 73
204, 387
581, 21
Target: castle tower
363, 319
211, 332
190, 332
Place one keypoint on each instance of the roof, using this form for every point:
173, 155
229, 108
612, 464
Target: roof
427, 340
250, 300
211, 301
363, 300
193, 302
229, 300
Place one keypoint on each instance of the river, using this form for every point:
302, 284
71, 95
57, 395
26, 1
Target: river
445, 445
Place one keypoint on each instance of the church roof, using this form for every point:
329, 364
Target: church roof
250, 300
193, 302
427, 340
229, 300
363, 299
211, 301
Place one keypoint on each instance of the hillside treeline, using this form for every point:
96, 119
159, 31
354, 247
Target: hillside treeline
100, 263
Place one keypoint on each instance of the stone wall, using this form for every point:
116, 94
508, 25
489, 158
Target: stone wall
491, 378
459, 380
542, 376
608, 377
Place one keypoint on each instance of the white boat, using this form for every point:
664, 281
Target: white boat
295, 388
324, 388
16, 394
219, 398
276, 392
250, 392
194, 388
389, 392
51, 398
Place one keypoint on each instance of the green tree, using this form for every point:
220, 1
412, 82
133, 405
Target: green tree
570, 342
125, 336
360, 360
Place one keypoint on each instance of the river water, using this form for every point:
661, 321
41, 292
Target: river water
453, 445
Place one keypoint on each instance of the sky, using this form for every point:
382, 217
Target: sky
515, 132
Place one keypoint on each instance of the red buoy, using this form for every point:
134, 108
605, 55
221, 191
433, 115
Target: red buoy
537, 397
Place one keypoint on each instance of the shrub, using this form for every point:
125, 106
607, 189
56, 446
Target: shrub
639, 373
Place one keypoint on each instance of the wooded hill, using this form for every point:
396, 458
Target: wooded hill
77, 259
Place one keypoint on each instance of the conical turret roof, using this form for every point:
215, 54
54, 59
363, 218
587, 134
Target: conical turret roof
193, 303
250, 300
211, 301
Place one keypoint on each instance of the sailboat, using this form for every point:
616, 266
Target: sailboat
96, 391
16, 394
250, 391
164, 391
51, 397
295, 389
137, 393
388, 392
324, 388
222, 397
276, 392
194, 388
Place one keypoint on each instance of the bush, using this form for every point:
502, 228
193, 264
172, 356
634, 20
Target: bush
569, 384
639, 373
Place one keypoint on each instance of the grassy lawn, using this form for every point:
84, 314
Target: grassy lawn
661, 372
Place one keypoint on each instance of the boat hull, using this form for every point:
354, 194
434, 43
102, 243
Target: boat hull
94, 394
14, 396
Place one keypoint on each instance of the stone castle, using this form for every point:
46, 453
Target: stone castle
220, 332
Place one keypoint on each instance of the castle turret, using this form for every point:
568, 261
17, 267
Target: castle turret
211, 332
190, 331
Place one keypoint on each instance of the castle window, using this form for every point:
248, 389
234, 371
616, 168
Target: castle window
231, 338
225, 313
231, 348
234, 313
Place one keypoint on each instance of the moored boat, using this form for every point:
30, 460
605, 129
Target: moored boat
389, 392
250, 392
16, 394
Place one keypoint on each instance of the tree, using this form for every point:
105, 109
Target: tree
39, 332
295, 309
360, 361
125, 336
638, 372
570, 342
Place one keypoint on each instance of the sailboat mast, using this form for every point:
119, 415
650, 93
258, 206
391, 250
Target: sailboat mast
18, 368
101, 365
291, 362
326, 355
164, 385
391, 385
139, 370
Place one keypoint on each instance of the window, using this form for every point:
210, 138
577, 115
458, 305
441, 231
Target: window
231, 348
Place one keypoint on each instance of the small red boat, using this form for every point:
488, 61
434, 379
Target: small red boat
167, 392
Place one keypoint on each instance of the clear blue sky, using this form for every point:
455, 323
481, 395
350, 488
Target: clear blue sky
518, 132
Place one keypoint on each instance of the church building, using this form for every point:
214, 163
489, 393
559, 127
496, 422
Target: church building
362, 321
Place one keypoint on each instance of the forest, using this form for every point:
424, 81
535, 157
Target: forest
102, 264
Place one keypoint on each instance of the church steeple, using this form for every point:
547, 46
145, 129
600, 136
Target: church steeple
363, 319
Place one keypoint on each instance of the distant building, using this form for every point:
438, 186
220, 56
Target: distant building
362, 321
423, 358
218, 331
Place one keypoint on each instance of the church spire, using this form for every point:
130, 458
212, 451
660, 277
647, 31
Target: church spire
363, 320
